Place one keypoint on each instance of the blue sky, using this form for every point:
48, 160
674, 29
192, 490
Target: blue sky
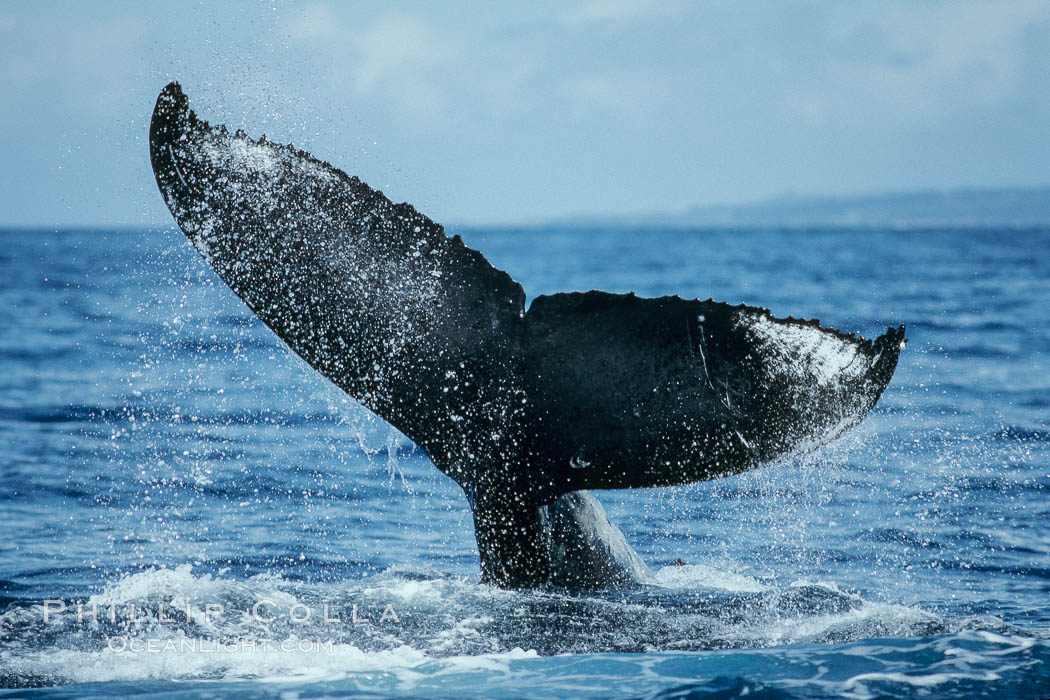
501, 113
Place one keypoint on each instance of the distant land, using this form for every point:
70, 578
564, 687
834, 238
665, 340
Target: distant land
1015, 207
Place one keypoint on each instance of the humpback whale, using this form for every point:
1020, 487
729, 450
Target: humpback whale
527, 410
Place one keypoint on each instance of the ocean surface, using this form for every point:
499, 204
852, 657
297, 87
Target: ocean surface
230, 524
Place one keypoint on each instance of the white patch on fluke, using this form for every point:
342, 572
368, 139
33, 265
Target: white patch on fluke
801, 349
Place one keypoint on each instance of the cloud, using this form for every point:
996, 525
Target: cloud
977, 43
397, 56
921, 61
316, 21
398, 46
87, 66
469, 97
621, 93
613, 11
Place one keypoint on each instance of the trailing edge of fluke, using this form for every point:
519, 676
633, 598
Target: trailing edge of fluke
525, 410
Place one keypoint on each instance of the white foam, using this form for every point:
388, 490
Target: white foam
865, 621
700, 576
276, 664
917, 681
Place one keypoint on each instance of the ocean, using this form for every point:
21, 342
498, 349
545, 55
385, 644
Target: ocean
189, 510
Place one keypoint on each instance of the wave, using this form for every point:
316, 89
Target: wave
409, 624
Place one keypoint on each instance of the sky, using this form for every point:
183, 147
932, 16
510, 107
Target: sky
504, 113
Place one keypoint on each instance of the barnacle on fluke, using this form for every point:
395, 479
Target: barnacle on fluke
525, 410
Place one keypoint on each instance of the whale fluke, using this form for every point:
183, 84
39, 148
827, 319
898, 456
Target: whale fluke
525, 410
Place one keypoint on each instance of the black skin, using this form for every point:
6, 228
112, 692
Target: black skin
584, 391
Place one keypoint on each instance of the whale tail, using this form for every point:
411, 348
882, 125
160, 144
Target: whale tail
524, 410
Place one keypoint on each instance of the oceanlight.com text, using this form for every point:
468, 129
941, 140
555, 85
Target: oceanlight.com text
137, 645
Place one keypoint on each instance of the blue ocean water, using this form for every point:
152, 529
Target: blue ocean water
163, 452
